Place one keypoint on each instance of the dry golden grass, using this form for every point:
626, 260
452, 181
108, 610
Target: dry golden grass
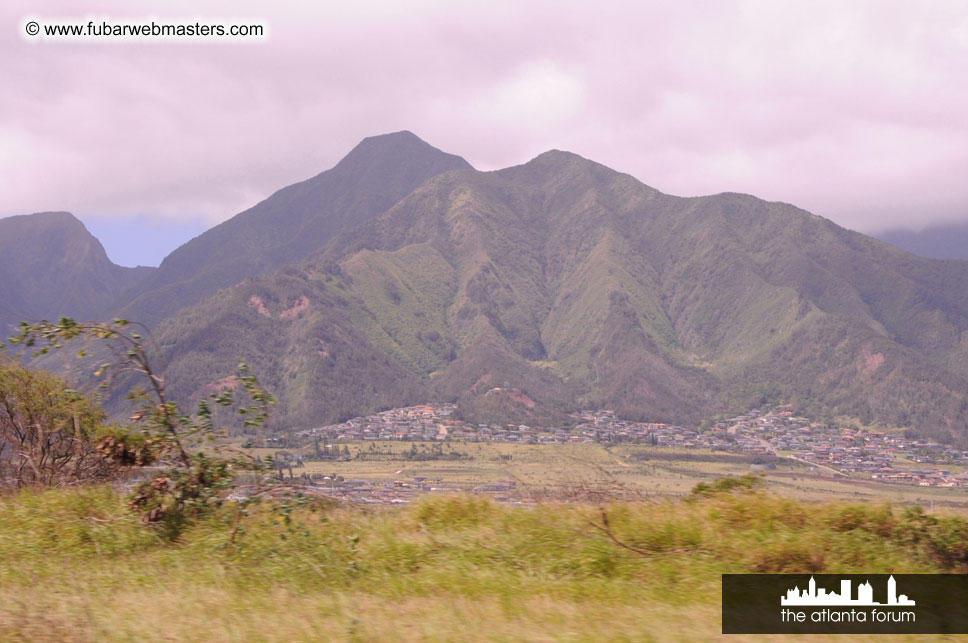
77, 566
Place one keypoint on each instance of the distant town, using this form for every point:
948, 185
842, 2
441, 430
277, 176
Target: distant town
770, 432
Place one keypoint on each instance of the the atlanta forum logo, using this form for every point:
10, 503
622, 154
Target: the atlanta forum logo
870, 603
813, 596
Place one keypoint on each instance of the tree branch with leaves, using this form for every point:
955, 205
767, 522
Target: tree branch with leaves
199, 476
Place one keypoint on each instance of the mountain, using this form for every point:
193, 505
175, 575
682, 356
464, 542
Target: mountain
532, 290
948, 241
289, 225
50, 265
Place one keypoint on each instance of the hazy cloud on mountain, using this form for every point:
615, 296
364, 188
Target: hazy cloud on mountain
856, 111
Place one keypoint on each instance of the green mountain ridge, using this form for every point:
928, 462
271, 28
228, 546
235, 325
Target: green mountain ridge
52, 266
289, 225
573, 284
527, 292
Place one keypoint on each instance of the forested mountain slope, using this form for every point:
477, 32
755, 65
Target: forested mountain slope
528, 291
289, 225
50, 266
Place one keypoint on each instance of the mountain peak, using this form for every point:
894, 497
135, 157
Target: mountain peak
61, 232
399, 147
58, 215
557, 161
557, 165
53, 266
557, 155
403, 135
558, 158
58, 218
292, 223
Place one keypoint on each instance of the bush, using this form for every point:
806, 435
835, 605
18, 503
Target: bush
747, 482
195, 483
49, 434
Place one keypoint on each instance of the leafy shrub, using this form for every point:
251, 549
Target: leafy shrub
49, 434
748, 482
194, 483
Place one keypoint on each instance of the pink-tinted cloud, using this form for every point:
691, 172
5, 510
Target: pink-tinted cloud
857, 111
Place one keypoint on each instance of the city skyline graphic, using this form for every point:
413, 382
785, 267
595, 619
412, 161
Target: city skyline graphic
812, 595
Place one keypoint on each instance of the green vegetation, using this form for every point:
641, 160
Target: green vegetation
726, 485
573, 285
190, 482
316, 359
49, 434
402, 275
402, 303
181, 560
290, 225
77, 565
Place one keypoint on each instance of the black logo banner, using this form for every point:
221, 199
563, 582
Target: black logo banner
845, 604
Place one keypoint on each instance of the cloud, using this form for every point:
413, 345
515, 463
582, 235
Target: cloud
540, 95
855, 111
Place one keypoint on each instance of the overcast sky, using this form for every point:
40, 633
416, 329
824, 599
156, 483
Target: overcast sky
856, 111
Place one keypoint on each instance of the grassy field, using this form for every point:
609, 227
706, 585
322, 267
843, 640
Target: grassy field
550, 470
75, 565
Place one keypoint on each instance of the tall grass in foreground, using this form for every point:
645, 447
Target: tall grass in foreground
77, 565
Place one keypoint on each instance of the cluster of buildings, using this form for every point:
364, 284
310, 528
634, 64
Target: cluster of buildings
411, 423
846, 450
772, 432
434, 422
